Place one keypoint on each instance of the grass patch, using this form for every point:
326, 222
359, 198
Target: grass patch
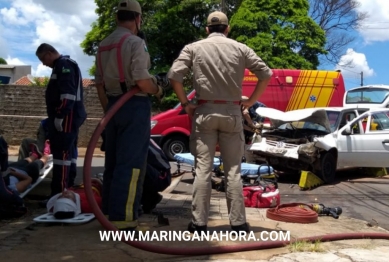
305, 246
368, 245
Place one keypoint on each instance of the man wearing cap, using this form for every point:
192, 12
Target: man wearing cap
122, 63
65, 111
218, 65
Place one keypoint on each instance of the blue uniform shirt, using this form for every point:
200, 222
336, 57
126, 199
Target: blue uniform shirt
64, 92
253, 115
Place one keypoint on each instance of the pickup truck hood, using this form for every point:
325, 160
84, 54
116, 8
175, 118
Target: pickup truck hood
313, 115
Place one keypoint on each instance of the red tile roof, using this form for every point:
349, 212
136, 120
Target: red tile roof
23, 81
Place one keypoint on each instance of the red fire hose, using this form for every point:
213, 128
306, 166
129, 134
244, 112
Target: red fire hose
293, 213
191, 251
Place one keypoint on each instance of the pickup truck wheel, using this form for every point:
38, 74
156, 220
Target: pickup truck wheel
328, 167
175, 145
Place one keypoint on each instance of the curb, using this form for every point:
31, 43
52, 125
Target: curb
14, 151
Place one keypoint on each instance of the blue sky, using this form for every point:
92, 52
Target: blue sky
24, 24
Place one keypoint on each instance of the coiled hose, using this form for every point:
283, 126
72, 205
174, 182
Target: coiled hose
293, 213
190, 251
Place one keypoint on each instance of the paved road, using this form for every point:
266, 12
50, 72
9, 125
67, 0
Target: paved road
359, 197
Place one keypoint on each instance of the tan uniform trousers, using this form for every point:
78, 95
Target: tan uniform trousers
212, 124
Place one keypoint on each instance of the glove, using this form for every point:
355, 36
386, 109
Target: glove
58, 124
258, 125
161, 93
162, 80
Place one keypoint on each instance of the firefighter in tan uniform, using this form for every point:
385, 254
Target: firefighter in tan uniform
218, 65
122, 63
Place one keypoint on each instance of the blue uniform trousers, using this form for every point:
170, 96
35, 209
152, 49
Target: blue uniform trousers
73, 164
126, 146
62, 146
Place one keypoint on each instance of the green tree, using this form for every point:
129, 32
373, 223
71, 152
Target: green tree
230, 6
280, 31
339, 19
2, 61
175, 24
40, 81
169, 25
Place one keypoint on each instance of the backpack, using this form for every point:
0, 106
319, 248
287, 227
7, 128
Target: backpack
159, 161
261, 196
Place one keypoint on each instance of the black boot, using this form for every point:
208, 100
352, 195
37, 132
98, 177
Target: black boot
241, 228
194, 228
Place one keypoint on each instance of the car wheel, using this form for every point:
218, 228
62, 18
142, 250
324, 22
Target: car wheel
328, 167
175, 145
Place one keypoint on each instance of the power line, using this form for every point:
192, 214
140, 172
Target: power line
344, 68
374, 28
354, 83
348, 70
373, 23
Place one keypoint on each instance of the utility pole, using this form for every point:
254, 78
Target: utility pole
224, 6
362, 78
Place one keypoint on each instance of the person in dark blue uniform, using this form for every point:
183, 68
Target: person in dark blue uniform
122, 63
30, 144
65, 110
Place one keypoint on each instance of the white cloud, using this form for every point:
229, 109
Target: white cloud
10, 16
28, 23
41, 70
353, 63
376, 26
14, 61
4, 50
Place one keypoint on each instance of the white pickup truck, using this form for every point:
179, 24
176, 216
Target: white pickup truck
323, 140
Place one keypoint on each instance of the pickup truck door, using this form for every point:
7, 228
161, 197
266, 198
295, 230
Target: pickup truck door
345, 157
365, 149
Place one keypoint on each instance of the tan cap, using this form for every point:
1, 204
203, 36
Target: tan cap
217, 18
130, 5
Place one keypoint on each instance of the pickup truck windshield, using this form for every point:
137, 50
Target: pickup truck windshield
367, 96
332, 117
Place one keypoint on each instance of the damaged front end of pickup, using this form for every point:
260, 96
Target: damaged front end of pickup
296, 141
308, 153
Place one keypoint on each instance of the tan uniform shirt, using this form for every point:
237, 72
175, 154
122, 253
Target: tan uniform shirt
135, 59
218, 65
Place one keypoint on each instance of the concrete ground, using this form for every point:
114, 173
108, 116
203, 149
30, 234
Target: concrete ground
26, 240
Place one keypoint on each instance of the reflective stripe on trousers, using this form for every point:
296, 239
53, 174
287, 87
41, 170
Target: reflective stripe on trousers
126, 145
62, 146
